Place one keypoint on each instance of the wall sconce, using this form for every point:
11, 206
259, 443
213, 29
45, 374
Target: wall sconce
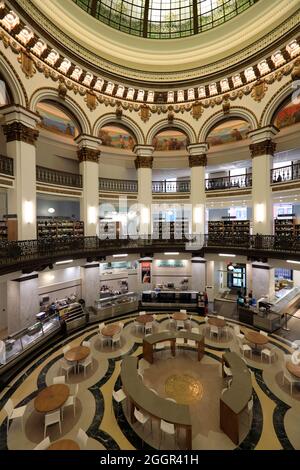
92, 215
260, 213
198, 214
28, 212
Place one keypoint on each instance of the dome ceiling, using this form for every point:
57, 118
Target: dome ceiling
164, 19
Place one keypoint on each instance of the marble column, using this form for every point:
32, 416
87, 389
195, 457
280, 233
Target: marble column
22, 302
263, 281
262, 150
88, 156
21, 134
90, 283
197, 163
198, 274
143, 164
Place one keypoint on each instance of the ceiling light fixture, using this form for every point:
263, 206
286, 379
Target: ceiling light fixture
67, 261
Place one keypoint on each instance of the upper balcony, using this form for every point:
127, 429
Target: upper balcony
6, 165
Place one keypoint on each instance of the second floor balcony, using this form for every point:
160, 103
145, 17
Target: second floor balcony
6, 165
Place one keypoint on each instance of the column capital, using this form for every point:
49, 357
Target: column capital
263, 134
85, 154
197, 160
20, 124
143, 162
198, 149
265, 147
143, 150
88, 148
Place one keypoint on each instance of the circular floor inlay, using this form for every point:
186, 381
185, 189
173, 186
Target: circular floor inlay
185, 389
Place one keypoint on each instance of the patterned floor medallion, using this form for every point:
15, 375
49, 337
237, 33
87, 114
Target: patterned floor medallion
185, 389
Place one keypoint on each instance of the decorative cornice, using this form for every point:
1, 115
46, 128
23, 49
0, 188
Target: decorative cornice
266, 147
143, 162
197, 160
18, 131
88, 155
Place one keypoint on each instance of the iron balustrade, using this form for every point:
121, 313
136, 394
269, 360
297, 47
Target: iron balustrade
285, 173
164, 186
229, 182
115, 185
60, 178
39, 254
6, 165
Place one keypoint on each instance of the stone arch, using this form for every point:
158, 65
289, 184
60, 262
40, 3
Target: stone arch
14, 82
272, 106
125, 121
51, 94
176, 124
237, 112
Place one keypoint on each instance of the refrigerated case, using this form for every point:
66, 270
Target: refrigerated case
117, 305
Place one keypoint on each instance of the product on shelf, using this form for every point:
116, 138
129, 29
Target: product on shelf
49, 227
170, 230
220, 229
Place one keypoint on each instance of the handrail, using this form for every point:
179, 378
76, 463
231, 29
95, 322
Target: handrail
229, 182
62, 178
165, 186
6, 165
37, 253
110, 184
285, 173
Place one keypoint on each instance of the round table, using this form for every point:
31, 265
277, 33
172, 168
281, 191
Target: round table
64, 444
179, 316
111, 330
51, 398
145, 319
294, 369
218, 322
79, 353
256, 338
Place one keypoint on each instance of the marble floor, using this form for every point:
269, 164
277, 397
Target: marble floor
272, 425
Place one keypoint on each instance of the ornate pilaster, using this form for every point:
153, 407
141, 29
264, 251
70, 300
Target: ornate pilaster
197, 163
20, 132
143, 162
266, 147
86, 154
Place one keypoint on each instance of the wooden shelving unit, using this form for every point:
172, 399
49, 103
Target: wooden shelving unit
3, 230
170, 230
9, 229
286, 228
229, 228
109, 229
59, 228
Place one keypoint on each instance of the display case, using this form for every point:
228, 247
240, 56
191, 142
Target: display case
170, 299
23, 340
117, 305
72, 316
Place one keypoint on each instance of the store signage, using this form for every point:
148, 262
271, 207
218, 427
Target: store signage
171, 263
146, 272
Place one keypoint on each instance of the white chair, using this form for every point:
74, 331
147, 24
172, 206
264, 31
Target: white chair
221, 317
142, 313
71, 401
245, 348
101, 326
85, 363
188, 322
191, 343
179, 324
171, 319
227, 371
59, 380
148, 327
138, 326
13, 413
195, 330
82, 438
118, 396
141, 417
269, 353
182, 311
66, 349
116, 339
154, 317
237, 332
179, 341
287, 376
103, 339
264, 333
121, 325
214, 330
167, 428
86, 344
52, 418
43, 445
66, 367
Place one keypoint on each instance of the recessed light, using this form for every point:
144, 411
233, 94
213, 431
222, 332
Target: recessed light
227, 254
292, 261
67, 261
169, 253
120, 256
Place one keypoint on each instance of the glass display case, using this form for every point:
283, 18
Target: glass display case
117, 305
23, 340
169, 299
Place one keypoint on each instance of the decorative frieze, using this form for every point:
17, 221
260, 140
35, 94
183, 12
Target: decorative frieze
143, 162
18, 131
266, 147
86, 154
197, 160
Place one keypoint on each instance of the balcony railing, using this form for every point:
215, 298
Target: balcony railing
229, 182
122, 186
164, 186
30, 255
285, 173
61, 178
6, 165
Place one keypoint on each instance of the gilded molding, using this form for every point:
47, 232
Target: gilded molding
143, 162
266, 147
85, 154
18, 131
197, 160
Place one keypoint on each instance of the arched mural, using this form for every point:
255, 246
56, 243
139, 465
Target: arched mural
288, 113
56, 120
117, 137
170, 139
228, 131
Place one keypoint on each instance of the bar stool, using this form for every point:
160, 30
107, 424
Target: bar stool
142, 418
118, 396
167, 428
